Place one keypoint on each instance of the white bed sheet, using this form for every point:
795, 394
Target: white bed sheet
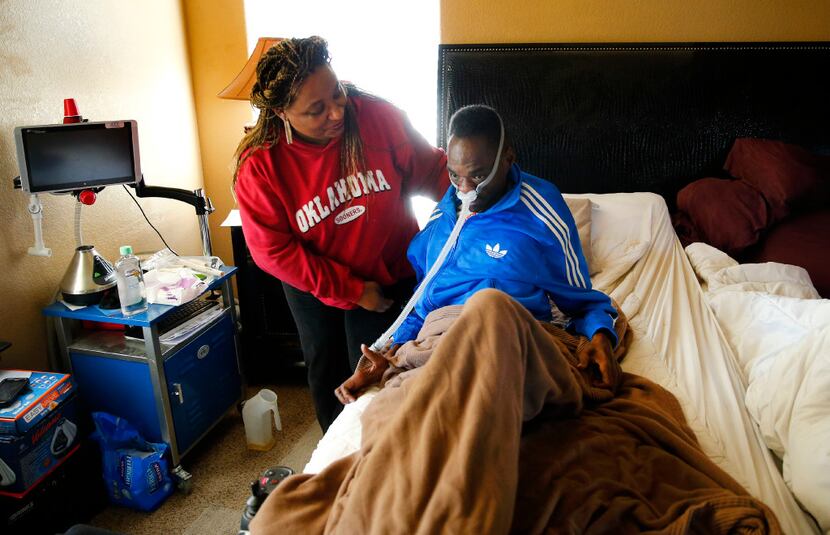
677, 344
779, 329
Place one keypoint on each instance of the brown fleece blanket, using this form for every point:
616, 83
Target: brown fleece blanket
496, 431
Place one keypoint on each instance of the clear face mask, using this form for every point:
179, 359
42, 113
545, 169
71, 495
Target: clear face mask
466, 200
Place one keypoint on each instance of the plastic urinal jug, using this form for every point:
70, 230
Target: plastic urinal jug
257, 417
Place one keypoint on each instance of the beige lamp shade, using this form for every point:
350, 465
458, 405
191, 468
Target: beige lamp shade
240, 87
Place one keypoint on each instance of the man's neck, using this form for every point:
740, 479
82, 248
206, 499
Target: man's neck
486, 205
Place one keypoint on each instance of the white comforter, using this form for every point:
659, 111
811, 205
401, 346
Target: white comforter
677, 343
779, 329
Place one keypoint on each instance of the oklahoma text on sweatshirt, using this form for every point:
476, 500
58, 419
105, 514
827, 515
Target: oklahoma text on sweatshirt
326, 234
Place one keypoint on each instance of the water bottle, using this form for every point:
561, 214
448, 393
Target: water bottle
130, 281
257, 415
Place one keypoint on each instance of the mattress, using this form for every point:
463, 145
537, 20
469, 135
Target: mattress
677, 344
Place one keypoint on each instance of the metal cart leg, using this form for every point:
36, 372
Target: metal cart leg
63, 328
184, 479
229, 303
155, 361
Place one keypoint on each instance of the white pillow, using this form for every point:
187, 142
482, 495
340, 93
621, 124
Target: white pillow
770, 277
580, 208
717, 270
708, 261
621, 229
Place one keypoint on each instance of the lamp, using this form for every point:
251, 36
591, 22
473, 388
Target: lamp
240, 87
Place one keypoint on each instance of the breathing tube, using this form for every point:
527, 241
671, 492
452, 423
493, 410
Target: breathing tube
466, 200
79, 237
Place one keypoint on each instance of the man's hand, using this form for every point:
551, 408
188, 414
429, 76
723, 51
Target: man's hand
597, 359
373, 299
369, 371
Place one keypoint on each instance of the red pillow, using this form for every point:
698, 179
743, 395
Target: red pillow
685, 228
727, 214
786, 175
802, 241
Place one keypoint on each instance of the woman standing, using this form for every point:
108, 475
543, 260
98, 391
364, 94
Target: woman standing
323, 184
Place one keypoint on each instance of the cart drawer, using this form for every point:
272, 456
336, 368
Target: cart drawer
202, 382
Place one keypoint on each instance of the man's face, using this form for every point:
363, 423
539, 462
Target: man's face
470, 160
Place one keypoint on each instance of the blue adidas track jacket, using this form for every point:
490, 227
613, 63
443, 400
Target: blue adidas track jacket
525, 245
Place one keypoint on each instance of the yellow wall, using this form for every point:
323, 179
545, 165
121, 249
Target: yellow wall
218, 50
529, 21
119, 60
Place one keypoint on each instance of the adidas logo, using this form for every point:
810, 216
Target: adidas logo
495, 251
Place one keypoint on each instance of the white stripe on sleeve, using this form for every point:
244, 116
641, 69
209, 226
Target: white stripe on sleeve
559, 223
530, 204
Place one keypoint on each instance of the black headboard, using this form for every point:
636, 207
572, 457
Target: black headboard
639, 117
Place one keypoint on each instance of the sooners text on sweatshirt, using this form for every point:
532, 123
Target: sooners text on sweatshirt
325, 233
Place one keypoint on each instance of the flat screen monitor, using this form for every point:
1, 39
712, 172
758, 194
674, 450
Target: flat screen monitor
67, 157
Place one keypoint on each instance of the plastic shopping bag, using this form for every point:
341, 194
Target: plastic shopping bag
174, 287
135, 471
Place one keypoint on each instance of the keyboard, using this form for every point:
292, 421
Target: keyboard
174, 318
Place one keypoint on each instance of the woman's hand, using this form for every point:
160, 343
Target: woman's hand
597, 358
373, 299
369, 371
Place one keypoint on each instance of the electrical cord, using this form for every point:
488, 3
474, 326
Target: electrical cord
148, 220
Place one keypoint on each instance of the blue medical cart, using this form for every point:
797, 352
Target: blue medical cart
171, 393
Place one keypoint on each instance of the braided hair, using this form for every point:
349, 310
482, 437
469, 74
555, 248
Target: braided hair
280, 73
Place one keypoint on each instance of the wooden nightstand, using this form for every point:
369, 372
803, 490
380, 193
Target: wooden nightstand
269, 339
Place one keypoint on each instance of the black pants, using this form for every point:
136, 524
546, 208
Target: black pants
330, 338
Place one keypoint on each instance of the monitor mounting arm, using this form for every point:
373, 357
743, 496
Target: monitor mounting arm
196, 198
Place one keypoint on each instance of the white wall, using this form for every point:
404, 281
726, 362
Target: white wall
387, 47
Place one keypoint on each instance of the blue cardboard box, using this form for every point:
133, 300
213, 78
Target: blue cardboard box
37, 432
46, 390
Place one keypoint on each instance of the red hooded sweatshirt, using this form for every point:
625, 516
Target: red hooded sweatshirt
326, 234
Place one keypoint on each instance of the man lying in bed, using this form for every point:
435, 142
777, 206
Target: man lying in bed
493, 426
495, 430
521, 239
